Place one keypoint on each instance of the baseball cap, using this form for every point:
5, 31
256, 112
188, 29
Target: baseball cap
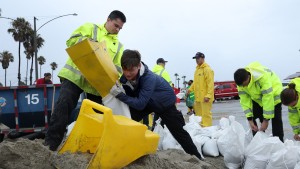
199, 55
161, 60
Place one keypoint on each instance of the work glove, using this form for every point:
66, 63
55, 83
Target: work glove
117, 89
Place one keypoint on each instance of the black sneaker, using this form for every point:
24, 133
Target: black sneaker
52, 145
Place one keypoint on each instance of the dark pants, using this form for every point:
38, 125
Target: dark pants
146, 120
66, 103
277, 127
173, 119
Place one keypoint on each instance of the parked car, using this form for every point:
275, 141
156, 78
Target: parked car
226, 91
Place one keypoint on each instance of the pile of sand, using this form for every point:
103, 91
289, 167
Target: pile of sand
27, 154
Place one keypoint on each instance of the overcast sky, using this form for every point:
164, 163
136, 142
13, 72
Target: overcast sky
231, 33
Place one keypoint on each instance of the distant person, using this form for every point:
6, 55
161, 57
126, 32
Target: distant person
290, 97
259, 90
160, 70
190, 98
203, 88
146, 92
74, 83
45, 80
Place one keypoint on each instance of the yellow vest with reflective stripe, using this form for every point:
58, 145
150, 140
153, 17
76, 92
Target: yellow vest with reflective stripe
294, 112
264, 88
96, 33
160, 71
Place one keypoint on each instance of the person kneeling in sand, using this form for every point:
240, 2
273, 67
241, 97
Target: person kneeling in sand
146, 92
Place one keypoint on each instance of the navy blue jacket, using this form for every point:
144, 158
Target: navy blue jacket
150, 90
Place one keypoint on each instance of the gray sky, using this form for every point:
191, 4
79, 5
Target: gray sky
231, 33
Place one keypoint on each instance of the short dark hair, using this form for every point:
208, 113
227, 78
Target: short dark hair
130, 58
117, 14
240, 76
288, 95
47, 74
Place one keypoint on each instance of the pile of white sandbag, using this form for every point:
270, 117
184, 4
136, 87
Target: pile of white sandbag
239, 148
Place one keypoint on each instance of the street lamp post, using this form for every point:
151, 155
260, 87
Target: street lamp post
6, 18
35, 40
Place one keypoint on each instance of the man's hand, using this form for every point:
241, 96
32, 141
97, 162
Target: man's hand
206, 99
116, 89
187, 93
264, 125
297, 137
252, 125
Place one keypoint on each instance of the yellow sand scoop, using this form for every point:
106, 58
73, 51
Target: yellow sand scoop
115, 140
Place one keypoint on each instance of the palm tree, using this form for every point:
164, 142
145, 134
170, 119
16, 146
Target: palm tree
29, 49
5, 58
178, 82
41, 61
183, 77
20, 30
53, 67
176, 77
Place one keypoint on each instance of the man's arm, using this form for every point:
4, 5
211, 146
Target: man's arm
209, 79
81, 33
267, 96
145, 92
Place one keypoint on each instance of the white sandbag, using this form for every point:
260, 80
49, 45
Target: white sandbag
118, 107
210, 131
70, 128
224, 123
234, 154
193, 126
210, 148
285, 158
248, 137
260, 149
297, 166
199, 141
180, 95
169, 141
231, 145
160, 131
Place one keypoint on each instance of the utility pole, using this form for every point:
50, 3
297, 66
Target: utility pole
35, 40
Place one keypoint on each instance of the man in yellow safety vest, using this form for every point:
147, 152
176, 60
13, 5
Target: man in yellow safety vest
73, 83
259, 90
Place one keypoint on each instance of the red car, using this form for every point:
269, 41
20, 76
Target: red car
226, 90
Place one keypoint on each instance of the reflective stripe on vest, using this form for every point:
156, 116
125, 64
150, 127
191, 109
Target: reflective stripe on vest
160, 74
267, 91
119, 69
293, 110
247, 111
72, 69
268, 112
242, 92
95, 33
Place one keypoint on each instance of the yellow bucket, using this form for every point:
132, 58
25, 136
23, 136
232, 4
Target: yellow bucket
115, 140
94, 62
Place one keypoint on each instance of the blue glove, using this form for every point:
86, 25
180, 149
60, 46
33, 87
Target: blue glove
116, 89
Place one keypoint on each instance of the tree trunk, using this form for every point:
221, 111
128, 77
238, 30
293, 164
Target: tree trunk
26, 72
19, 73
31, 70
5, 79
